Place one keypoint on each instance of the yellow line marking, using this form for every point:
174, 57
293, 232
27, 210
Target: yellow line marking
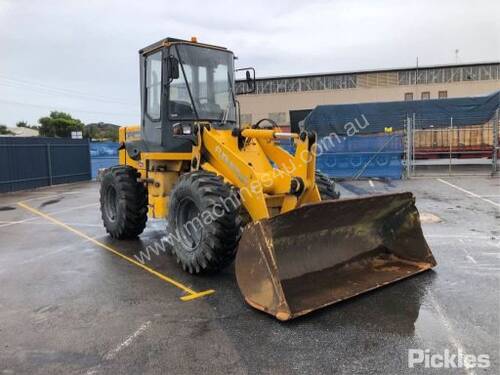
190, 297
191, 293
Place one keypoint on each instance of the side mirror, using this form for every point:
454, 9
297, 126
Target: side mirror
173, 67
250, 85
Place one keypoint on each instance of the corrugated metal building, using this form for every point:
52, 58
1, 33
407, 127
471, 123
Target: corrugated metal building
288, 99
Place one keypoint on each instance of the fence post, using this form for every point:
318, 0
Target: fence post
496, 125
49, 163
450, 139
409, 141
414, 129
90, 159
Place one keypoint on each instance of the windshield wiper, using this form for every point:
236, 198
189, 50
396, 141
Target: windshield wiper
225, 112
225, 115
187, 85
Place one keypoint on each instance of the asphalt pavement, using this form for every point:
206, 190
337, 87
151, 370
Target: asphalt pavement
73, 302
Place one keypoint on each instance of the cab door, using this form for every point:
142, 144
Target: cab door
151, 95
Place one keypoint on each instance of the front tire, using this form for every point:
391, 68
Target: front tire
124, 202
204, 222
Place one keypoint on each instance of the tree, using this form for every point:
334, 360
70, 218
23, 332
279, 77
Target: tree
101, 131
5, 131
24, 124
59, 124
90, 132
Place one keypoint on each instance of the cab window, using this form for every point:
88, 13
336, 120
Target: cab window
153, 85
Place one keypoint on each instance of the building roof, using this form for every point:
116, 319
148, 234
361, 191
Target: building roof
382, 70
23, 132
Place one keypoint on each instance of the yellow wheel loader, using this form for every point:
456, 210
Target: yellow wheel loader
229, 190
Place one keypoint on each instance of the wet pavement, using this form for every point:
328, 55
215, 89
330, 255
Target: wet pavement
69, 305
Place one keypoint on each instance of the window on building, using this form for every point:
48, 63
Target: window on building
426, 95
153, 85
443, 94
408, 96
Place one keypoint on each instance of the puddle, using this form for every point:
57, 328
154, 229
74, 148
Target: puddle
429, 328
358, 190
52, 201
7, 208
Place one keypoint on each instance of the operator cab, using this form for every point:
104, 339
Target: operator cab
183, 83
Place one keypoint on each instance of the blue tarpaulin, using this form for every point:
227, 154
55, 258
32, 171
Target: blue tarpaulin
374, 117
360, 156
103, 155
359, 152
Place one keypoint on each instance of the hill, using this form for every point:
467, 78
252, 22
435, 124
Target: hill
101, 131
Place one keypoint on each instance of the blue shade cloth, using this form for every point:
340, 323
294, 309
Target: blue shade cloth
368, 118
103, 155
359, 156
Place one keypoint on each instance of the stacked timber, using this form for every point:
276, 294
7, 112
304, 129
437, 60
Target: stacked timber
473, 138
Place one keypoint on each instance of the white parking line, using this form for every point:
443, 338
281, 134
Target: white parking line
61, 249
45, 223
485, 267
46, 196
472, 237
469, 192
114, 352
467, 254
48, 213
496, 255
471, 259
37, 257
452, 337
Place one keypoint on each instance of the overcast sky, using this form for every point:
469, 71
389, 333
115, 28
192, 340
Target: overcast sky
81, 56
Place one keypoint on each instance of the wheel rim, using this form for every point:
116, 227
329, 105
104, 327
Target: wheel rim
110, 203
189, 224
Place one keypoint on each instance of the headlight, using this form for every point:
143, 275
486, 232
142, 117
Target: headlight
182, 129
186, 129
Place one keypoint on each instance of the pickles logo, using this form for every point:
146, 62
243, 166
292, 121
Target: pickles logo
447, 359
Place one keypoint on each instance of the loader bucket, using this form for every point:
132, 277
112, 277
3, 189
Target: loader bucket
326, 252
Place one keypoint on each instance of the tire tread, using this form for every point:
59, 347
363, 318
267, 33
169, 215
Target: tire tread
133, 215
221, 237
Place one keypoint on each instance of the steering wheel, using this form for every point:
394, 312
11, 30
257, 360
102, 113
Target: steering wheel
272, 124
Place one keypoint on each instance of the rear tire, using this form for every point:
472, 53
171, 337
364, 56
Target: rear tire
124, 202
204, 232
326, 187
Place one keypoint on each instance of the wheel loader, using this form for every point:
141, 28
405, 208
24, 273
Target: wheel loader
230, 191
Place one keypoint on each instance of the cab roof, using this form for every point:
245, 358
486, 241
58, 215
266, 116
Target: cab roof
167, 41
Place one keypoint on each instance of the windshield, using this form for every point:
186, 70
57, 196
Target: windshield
204, 88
